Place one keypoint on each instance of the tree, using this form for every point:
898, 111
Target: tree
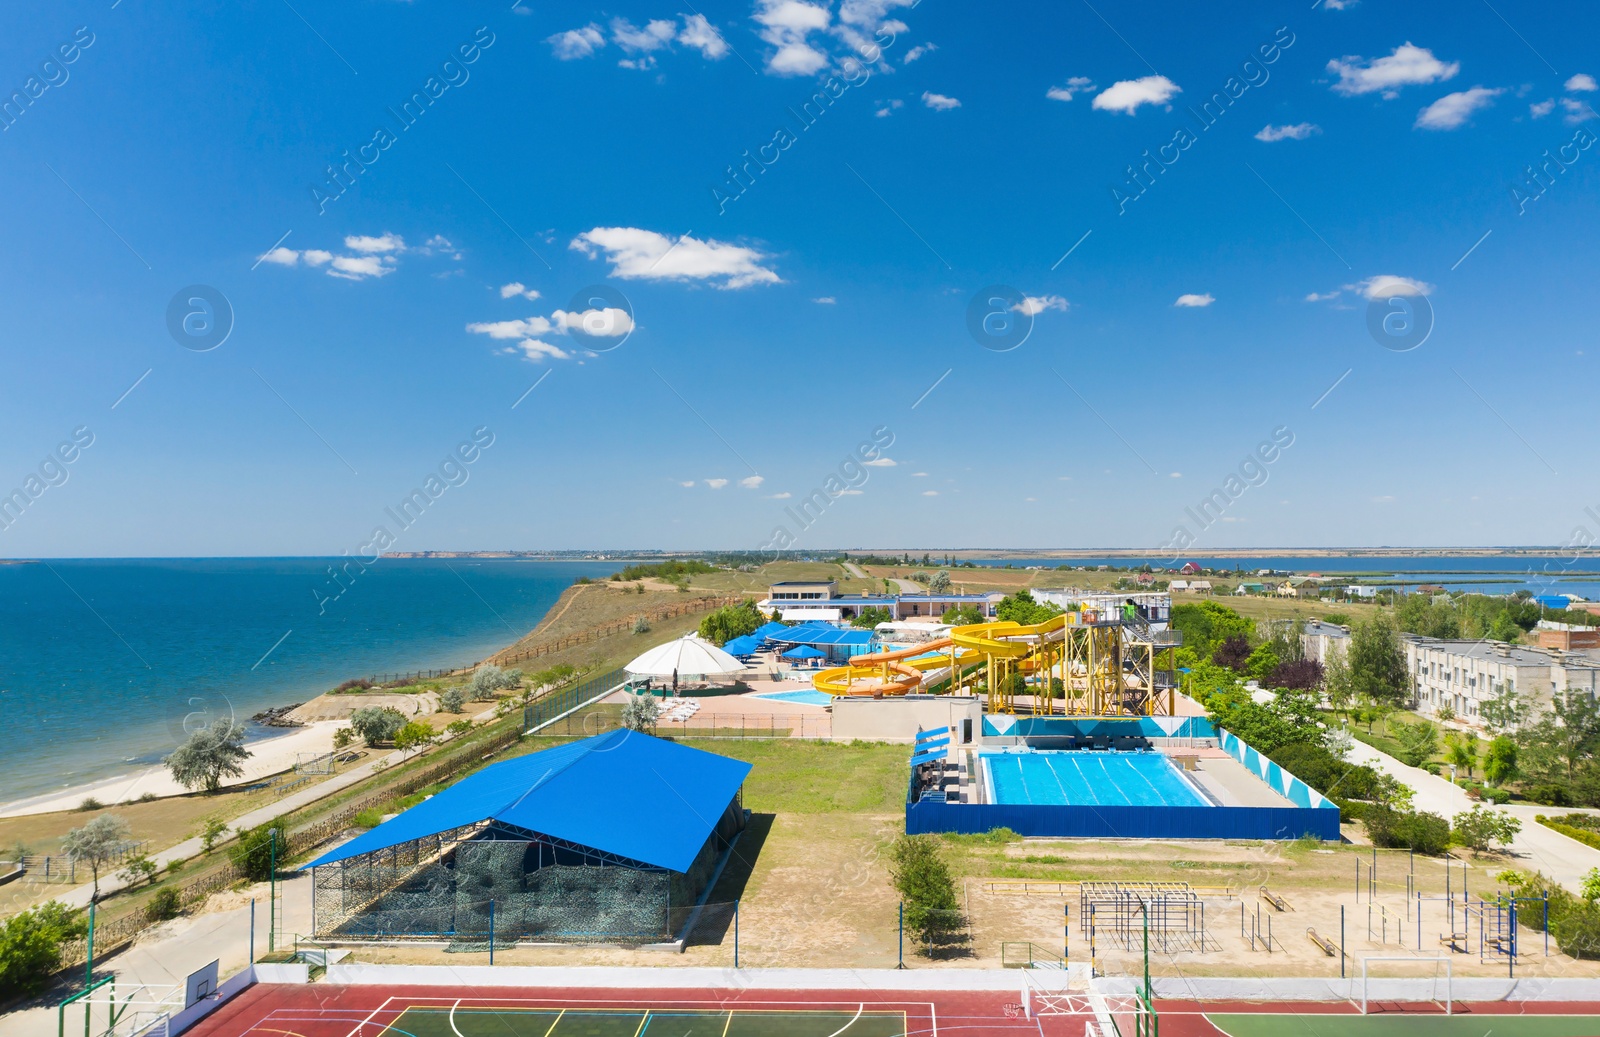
30, 947
1299, 673
1021, 608
1207, 624
1565, 736
1418, 742
209, 755
939, 583
211, 830
1461, 751
513, 679
486, 680
731, 621
451, 700
870, 617
964, 615
1377, 664
377, 723
1336, 682
1590, 890
97, 844
641, 625
1477, 829
253, 853
415, 735
1505, 710
926, 888
1233, 652
138, 868
1500, 762
640, 712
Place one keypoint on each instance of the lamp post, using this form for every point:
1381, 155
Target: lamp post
272, 878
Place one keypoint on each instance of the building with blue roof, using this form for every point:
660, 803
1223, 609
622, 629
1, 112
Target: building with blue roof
614, 838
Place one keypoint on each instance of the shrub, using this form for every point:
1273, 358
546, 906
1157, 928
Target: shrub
30, 947
1478, 828
452, 701
1414, 830
377, 723
90, 803
486, 680
1550, 795
166, 903
926, 888
639, 713
252, 854
359, 684
459, 727
1560, 824
415, 735
641, 625
138, 868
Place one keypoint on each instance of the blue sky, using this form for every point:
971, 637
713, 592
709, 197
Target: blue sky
750, 339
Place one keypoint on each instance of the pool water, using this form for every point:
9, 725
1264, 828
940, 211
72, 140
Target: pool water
1100, 778
810, 698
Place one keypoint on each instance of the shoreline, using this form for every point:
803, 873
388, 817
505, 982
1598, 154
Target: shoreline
281, 753
269, 755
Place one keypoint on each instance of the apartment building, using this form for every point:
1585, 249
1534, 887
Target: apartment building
1322, 640
1464, 674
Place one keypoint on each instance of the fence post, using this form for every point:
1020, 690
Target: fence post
1341, 938
491, 932
902, 962
735, 934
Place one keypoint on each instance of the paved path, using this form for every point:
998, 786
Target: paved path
1536, 848
177, 948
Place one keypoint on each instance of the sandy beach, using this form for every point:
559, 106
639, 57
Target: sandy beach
268, 756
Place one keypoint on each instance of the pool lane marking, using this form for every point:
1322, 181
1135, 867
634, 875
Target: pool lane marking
1051, 767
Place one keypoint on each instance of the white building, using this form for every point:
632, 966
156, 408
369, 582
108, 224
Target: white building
1321, 640
1464, 674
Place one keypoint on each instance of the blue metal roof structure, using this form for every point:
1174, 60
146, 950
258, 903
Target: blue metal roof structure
820, 634
1552, 601
766, 630
675, 796
805, 652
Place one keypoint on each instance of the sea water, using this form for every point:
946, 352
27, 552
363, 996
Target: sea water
104, 663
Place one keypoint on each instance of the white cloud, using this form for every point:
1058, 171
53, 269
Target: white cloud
688, 484
1577, 111
850, 493
825, 300
918, 51
504, 329
316, 257
1583, 81
359, 268
716, 484
786, 25
1033, 305
1192, 300
536, 350
517, 288
1128, 94
437, 244
880, 462
1075, 85
1299, 131
702, 36
656, 34
636, 254
1453, 110
1408, 65
609, 322
384, 242
577, 43
785, 495
939, 102
1542, 108
1338, 5
1321, 296
282, 256
887, 108
1387, 286
752, 482
930, 493
919, 475
1175, 475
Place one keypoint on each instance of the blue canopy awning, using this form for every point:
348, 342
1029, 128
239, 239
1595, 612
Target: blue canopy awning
749, 644
821, 634
933, 743
766, 630
804, 652
929, 757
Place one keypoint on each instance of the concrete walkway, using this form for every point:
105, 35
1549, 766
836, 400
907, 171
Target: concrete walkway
168, 954
1536, 848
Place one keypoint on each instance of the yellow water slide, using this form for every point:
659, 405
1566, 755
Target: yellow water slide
897, 672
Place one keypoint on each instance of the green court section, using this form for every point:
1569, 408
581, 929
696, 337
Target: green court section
638, 1022
1406, 1024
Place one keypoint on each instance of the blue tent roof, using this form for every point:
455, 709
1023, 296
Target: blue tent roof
766, 630
821, 634
625, 793
804, 652
1553, 601
746, 645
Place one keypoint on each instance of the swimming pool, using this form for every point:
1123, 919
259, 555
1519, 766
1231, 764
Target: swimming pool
810, 698
1101, 778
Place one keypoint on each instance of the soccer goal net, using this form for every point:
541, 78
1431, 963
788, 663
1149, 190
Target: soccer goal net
1405, 981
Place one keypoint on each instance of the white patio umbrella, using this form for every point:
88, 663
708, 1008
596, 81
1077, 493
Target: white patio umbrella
686, 656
